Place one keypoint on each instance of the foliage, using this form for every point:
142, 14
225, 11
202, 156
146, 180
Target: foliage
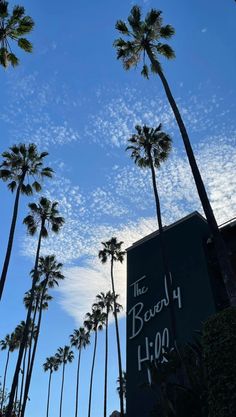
20, 163
44, 214
219, 346
178, 382
149, 145
143, 37
13, 27
111, 249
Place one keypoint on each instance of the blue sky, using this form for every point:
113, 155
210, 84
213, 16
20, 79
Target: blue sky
73, 98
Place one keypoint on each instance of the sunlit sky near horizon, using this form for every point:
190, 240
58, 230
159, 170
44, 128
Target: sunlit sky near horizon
72, 98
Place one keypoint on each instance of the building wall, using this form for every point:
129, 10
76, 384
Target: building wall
148, 313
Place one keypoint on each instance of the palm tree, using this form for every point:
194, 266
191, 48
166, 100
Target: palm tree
50, 270
123, 387
79, 339
19, 331
50, 365
42, 305
12, 28
144, 38
112, 250
9, 344
64, 355
150, 147
106, 303
94, 321
21, 163
43, 216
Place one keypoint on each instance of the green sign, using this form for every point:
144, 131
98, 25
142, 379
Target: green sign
148, 301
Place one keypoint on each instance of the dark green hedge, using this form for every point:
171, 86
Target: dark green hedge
219, 350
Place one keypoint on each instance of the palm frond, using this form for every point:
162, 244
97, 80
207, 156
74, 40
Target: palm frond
165, 50
25, 45
167, 31
12, 186
145, 72
122, 27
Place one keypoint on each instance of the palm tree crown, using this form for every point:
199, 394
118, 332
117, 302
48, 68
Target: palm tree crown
111, 249
64, 355
40, 297
44, 214
149, 145
80, 338
12, 28
95, 320
144, 37
50, 269
22, 162
105, 301
9, 342
51, 364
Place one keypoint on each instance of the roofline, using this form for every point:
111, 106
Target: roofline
156, 233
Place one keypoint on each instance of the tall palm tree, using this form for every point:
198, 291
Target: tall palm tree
124, 378
145, 38
150, 147
112, 250
106, 303
13, 27
42, 305
50, 365
63, 355
9, 344
94, 321
42, 217
19, 331
20, 164
80, 339
49, 271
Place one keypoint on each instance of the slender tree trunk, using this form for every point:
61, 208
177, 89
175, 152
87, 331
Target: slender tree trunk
91, 376
77, 385
106, 365
220, 247
49, 389
118, 343
16, 396
22, 380
164, 251
30, 370
4, 379
10, 239
31, 339
62, 387
26, 331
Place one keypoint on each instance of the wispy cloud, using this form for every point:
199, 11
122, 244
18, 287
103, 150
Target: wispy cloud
29, 113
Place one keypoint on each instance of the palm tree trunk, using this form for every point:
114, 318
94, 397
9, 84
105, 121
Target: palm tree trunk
31, 338
62, 387
10, 239
91, 376
29, 373
77, 385
16, 396
106, 365
49, 389
26, 331
220, 247
164, 251
4, 379
118, 343
22, 380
